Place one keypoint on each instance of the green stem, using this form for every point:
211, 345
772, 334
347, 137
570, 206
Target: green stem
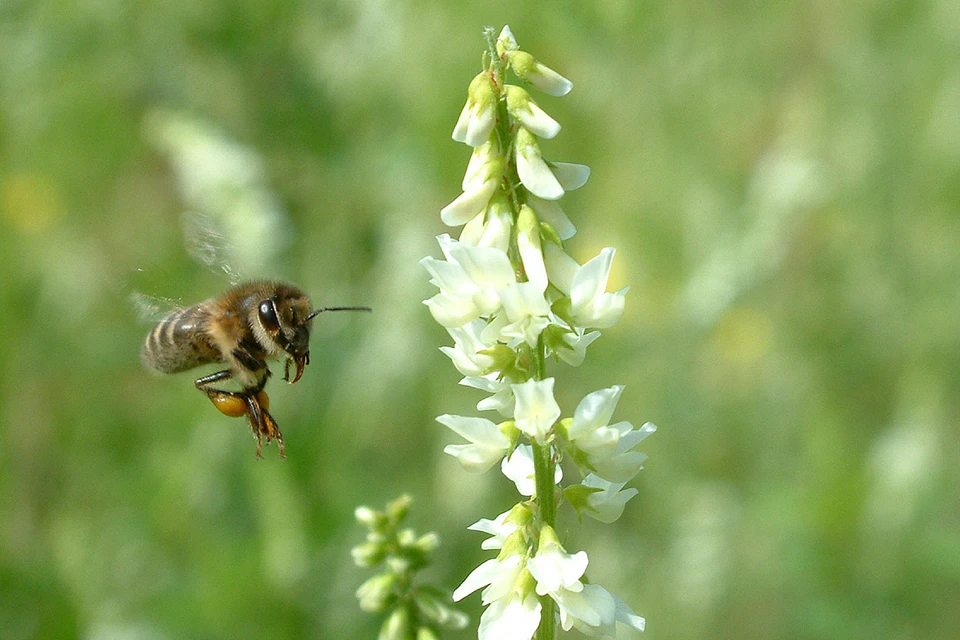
544, 470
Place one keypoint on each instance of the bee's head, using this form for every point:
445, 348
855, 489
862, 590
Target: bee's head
286, 323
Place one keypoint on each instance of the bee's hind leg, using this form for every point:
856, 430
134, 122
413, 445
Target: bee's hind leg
261, 422
204, 383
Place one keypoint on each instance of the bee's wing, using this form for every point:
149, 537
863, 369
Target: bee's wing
152, 309
207, 243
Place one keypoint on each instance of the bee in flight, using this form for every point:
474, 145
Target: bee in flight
242, 328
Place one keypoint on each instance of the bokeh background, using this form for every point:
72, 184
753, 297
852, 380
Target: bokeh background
780, 181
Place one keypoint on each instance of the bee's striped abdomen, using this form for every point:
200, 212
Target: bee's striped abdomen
178, 342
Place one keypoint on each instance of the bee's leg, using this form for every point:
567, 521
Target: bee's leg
204, 383
263, 424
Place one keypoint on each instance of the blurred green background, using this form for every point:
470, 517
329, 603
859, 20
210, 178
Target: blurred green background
780, 181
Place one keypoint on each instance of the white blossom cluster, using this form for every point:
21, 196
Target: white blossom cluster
511, 297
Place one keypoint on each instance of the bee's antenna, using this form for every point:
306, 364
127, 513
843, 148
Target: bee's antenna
322, 309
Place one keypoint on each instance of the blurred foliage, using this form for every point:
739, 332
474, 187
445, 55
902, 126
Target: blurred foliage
780, 181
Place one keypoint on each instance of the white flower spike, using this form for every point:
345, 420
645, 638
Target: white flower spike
515, 303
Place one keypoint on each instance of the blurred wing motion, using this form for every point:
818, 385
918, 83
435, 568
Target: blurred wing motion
207, 243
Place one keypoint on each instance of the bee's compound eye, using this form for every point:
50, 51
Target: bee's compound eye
232, 406
268, 316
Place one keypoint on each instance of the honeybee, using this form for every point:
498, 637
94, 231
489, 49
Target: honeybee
243, 328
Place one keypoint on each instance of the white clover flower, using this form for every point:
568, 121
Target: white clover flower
518, 467
470, 203
468, 281
553, 568
558, 575
510, 618
550, 212
590, 305
609, 448
487, 443
491, 227
465, 354
498, 576
542, 77
501, 399
528, 245
607, 504
479, 184
593, 413
522, 107
592, 606
532, 170
576, 346
623, 463
526, 311
536, 410
500, 528
621, 613
478, 116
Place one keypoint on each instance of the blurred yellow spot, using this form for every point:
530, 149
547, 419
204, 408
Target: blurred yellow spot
743, 336
30, 202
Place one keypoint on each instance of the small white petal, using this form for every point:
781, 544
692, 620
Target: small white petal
549, 211
479, 577
536, 410
593, 611
478, 116
574, 607
468, 204
527, 311
488, 444
451, 311
506, 41
561, 268
577, 343
556, 568
607, 504
595, 410
528, 244
532, 170
498, 528
626, 615
570, 176
510, 619
590, 305
522, 107
519, 468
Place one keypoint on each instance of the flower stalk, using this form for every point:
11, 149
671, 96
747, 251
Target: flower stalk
513, 299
